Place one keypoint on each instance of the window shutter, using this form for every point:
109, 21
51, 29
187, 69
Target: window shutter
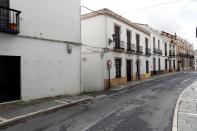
4, 3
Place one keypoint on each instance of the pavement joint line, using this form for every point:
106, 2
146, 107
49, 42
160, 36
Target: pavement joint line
2, 119
97, 121
189, 114
10, 102
41, 111
61, 101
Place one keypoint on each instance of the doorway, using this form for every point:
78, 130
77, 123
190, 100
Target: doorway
129, 70
138, 70
154, 66
9, 78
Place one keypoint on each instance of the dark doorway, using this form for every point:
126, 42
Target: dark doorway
154, 66
166, 64
129, 70
138, 70
179, 65
159, 64
9, 78
170, 66
174, 64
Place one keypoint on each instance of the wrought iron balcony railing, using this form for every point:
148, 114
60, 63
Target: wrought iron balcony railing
130, 47
148, 52
157, 51
118, 45
139, 49
172, 53
9, 20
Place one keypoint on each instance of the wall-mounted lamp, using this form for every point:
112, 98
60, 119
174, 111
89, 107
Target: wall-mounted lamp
113, 39
69, 48
110, 41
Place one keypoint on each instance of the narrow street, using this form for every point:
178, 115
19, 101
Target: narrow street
145, 107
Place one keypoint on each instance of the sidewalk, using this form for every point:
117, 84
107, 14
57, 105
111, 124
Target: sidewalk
133, 83
17, 111
186, 114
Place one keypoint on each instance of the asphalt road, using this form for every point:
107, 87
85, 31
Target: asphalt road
145, 107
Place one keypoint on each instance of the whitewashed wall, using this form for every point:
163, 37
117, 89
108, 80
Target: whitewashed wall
46, 68
58, 20
93, 31
92, 72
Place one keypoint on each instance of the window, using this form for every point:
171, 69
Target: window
154, 42
117, 35
128, 39
147, 66
118, 65
4, 3
146, 42
137, 40
158, 44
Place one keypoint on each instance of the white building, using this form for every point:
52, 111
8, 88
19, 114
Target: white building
41, 57
110, 38
195, 60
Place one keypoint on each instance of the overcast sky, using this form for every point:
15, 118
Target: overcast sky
178, 16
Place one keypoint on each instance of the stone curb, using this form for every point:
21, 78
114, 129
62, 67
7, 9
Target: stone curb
33, 114
175, 117
134, 84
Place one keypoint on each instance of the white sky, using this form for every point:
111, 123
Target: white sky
179, 17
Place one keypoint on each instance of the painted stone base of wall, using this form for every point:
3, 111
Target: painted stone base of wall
145, 76
115, 82
123, 80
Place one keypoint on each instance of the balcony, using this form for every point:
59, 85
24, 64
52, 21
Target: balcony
130, 48
119, 46
148, 52
181, 54
9, 20
172, 53
157, 51
139, 50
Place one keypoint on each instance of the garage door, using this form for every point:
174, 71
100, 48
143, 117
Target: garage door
9, 78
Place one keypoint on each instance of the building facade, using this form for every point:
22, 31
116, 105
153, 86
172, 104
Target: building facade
40, 46
116, 51
184, 52
195, 63
108, 39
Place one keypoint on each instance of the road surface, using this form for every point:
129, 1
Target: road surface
145, 107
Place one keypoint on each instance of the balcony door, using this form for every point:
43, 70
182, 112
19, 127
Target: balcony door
138, 70
117, 36
137, 40
128, 40
4, 14
146, 42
